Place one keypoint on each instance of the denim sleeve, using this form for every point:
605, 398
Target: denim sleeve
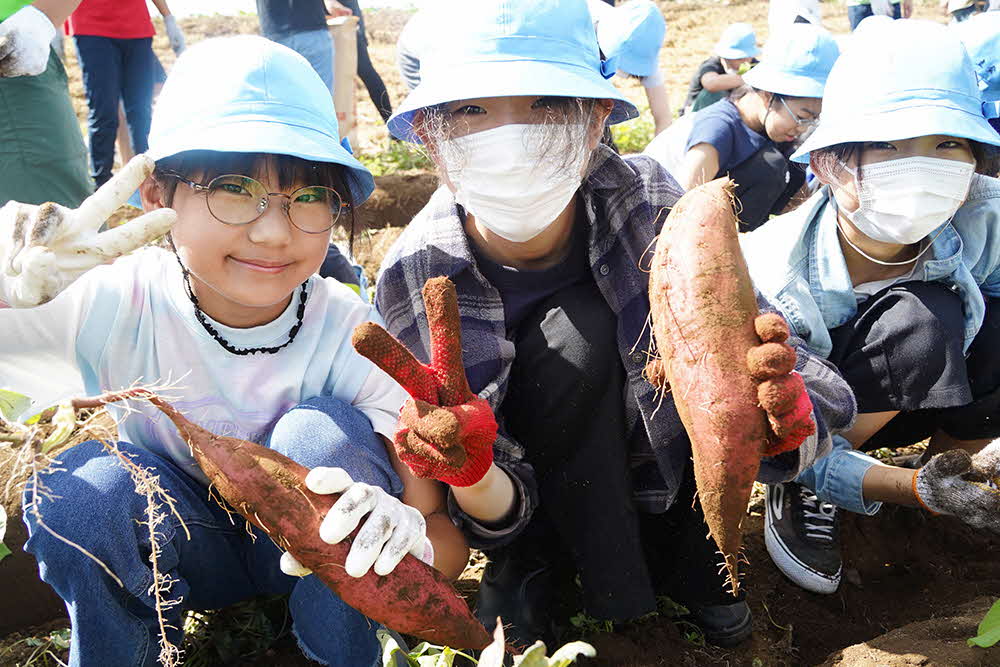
837, 478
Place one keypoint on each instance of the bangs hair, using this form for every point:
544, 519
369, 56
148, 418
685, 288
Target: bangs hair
558, 141
830, 161
202, 166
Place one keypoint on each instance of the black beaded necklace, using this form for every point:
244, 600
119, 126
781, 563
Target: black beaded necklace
222, 341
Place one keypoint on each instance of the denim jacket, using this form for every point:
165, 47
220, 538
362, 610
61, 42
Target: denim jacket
796, 262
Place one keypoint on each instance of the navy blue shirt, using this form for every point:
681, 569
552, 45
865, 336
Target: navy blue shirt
522, 290
282, 17
720, 126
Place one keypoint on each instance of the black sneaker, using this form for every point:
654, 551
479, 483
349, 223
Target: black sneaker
802, 536
724, 625
521, 591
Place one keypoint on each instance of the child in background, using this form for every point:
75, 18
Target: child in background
892, 272
748, 135
543, 231
249, 157
722, 73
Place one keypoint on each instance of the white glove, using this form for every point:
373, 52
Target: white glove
24, 42
966, 486
43, 249
174, 33
392, 530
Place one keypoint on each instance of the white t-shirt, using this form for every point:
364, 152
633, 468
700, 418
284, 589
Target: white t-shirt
132, 322
670, 146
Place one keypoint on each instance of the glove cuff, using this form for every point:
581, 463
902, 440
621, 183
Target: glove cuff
916, 484
34, 22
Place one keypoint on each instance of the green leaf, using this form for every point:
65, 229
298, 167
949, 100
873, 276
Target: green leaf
989, 628
391, 652
533, 657
443, 659
13, 404
568, 654
4, 551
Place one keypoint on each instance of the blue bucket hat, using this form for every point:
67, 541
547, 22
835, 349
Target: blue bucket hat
738, 40
496, 48
899, 80
796, 62
981, 37
633, 34
247, 94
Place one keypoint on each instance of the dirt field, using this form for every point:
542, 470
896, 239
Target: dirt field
915, 586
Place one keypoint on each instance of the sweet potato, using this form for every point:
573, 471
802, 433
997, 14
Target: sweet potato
703, 309
268, 489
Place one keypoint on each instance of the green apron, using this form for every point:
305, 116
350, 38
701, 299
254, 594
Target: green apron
42, 154
706, 98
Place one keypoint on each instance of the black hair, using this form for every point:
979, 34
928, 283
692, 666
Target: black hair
831, 159
203, 166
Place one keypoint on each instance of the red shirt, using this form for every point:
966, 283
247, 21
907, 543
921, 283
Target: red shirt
122, 19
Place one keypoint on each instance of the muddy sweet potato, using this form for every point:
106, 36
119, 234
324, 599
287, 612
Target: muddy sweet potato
703, 309
268, 489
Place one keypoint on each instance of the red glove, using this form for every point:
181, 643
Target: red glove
781, 392
445, 431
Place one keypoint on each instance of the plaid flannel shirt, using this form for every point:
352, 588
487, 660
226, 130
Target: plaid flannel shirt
626, 201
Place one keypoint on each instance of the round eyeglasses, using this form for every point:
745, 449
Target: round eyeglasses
234, 199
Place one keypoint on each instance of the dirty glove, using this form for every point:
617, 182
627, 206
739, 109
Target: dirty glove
781, 392
445, 431
392, 530
174, 34
954, 482
43, 249
24, 42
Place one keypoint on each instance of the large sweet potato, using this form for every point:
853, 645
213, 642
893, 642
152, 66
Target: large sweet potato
268, 489
703, 311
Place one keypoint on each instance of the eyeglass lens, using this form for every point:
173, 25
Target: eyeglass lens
239, 200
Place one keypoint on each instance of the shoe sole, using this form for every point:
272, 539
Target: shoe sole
734, 637
798, 572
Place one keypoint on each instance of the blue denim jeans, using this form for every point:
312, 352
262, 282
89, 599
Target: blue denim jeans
316, 46
857, 13
98, 508
115, 69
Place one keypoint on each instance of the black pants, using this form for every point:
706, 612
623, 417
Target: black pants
565, 405
765, 182
903, 351
366, 70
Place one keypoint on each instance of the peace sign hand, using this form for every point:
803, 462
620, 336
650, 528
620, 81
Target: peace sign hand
43, 249
445, 431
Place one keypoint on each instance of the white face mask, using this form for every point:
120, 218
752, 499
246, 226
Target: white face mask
499, 179
904, 200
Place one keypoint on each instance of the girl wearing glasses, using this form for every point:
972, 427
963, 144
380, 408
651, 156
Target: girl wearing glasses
892, 272
748, 134
248, 157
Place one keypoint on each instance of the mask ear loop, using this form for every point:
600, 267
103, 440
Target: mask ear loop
861, 252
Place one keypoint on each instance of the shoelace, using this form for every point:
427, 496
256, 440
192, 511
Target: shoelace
824, 514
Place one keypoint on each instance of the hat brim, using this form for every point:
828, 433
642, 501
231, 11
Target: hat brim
502, 78
783, 83
269, 136
899, 124
735, 54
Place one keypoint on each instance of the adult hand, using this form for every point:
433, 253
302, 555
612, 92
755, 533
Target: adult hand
24, 42
445, 431
174, 34
954, 482
393, 529
43, 249
781, 392
336, 10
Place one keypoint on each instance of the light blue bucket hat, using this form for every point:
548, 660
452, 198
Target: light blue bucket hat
981, 37
796, 62
247, 94
898, 80
496, 48
633, 34
738, 40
